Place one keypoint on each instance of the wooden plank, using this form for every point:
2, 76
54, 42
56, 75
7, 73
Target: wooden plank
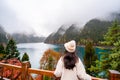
41, 72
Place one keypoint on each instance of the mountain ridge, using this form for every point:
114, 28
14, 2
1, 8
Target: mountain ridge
94, 30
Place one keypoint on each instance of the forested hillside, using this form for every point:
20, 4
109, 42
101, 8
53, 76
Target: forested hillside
93, 30
25, 38
56, 37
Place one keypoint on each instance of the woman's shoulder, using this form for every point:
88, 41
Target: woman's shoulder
78, 60
61, 58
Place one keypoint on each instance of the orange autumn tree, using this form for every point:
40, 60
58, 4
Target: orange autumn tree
49, 59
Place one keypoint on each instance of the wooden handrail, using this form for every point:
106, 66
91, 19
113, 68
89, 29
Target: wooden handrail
10, 66
25, 72
41, 72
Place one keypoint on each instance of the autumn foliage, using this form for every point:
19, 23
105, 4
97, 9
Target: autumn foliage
7, 72
49, 59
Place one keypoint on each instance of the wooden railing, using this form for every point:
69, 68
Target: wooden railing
25, 72
114, 75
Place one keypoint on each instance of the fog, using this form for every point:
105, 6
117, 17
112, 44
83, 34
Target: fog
46, 16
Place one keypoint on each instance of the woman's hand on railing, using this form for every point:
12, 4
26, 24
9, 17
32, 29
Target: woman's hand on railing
94, 78
52, 72
56, 78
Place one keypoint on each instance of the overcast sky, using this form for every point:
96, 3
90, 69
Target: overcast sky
46, 16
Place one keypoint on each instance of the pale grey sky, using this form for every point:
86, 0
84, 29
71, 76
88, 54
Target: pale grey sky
45, 16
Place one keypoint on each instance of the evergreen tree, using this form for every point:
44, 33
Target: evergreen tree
113, 36
25, 57
89, 56
50, 63
101, 67
2, 49
3, 38
11, 50
110, 60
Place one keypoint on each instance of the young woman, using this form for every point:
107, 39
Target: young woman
69, 66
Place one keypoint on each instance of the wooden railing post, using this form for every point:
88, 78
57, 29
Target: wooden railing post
24, 75
1, 72
41, 77
114, 75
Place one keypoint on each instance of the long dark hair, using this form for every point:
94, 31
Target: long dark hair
70, 59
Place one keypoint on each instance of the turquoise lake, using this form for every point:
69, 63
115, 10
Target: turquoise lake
36, 50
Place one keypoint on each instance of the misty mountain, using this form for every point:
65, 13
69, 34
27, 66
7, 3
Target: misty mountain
63, 34
114, 16
3, 37
93, 30
56, 36
2, 30
26, 38
19, 37
72, 32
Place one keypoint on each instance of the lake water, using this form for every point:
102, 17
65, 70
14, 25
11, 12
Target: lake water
36, 50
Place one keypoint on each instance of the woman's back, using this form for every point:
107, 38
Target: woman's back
69, 66
71, 74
